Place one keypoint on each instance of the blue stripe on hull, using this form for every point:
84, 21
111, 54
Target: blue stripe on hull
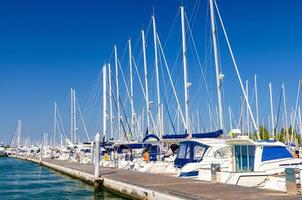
188, 174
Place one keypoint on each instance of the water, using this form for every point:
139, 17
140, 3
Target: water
25, 180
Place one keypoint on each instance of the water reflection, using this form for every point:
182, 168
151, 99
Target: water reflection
24, 180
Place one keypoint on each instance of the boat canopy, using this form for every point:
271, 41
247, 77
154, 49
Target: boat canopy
189, 152
150, 136
214, 134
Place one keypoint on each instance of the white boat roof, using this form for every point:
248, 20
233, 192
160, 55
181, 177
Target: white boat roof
245, 140
209, 141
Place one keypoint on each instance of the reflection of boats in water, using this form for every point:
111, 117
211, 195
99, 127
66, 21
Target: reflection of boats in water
2, 151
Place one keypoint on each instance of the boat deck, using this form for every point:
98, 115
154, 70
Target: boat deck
158, 186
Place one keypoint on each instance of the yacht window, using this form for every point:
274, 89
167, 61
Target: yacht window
188, 152
244, 157
275, 152
182, 151
223, 152
198, 152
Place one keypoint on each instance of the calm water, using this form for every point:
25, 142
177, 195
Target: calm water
25, 180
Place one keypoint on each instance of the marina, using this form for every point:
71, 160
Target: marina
181, 112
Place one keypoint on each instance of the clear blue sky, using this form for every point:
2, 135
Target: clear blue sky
46, 47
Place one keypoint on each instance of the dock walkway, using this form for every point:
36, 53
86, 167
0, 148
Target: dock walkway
140, 185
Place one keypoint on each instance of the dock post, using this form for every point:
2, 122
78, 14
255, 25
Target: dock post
97, 161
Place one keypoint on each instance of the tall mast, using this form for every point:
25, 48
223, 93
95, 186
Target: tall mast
110, 101
285, 111
146, 81
104, 101
75, 137
71, 116
219, 75
55, 124
230, 118
184, 52
272, 109
256, 99
117, 92
159, 128
131, 90
247, 112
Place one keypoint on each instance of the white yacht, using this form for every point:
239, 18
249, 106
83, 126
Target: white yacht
2, 150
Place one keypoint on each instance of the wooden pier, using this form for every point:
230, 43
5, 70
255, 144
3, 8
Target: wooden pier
138, 185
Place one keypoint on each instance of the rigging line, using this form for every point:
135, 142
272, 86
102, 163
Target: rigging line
84, 125
172, 28
237, 70
169, 115
170, 78
60, 118
296, 107
124, 80
164, 83
279, 108
121, 121
123, 111
200, 66
141, 84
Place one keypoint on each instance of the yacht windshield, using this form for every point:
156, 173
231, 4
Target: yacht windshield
189, 152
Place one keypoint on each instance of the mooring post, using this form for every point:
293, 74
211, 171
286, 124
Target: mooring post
97, 161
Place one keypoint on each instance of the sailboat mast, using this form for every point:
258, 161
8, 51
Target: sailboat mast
272, 109
131, 90
55, 124
256, 99
110, 101
71, 115
184, 52
159, 127
219, 75
117, 92
285, 112
104, 101
146, 80
74, 117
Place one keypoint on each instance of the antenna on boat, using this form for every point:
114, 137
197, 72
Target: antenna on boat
159, 124
219, 75
186, 83
117, 92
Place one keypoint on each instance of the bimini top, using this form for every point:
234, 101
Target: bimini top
214, 134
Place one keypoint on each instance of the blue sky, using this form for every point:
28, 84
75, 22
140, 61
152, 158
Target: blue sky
46, 47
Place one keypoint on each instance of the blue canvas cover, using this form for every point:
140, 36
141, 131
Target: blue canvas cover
274, 153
